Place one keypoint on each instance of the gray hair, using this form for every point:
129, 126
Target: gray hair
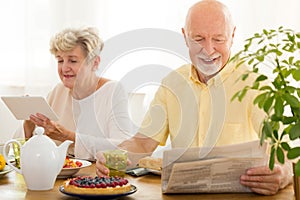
86, 38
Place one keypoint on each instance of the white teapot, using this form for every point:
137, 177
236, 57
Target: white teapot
40, 160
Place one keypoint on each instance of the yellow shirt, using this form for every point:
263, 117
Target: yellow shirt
195, 114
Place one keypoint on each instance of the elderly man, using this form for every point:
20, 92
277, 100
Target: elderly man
193, 104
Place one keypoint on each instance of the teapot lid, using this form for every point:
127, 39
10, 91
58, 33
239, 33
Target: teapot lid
39, 130
40, 140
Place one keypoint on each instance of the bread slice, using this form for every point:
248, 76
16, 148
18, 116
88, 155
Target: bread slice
151, 163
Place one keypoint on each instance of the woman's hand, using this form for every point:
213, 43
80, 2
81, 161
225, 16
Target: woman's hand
101, 170
28, 126
52, 129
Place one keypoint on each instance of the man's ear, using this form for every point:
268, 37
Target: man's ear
96, 63
233, 34
185, 39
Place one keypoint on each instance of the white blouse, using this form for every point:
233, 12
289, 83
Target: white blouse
101, 120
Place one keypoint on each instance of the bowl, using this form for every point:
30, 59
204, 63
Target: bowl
69, 172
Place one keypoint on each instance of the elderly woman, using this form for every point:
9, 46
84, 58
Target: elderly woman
92, 110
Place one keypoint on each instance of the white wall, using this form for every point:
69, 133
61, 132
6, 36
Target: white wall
8, 123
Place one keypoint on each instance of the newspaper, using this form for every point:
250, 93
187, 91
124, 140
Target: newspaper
210, 170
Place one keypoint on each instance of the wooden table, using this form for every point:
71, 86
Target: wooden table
12, 187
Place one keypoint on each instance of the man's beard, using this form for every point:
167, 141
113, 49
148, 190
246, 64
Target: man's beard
208, 65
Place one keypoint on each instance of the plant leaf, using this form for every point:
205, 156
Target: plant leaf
293, 101
268, 103
285, 146
275, 118
297, 168
289, 120
260, 58
294, 131
242, 94
250, 61
272, 158
296, 74
277, 84
259, 98
245, 76
280, 155
293, 153
262, 138
278, 53
282, 135
278, 107
275, 134
291, 60
267, 129
235, 96
290, 89
261, 78
265, 88
255, 85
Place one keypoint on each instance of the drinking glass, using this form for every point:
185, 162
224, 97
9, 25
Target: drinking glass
16, 150
116, 162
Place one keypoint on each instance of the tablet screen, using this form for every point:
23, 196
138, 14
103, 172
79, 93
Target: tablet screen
23, 106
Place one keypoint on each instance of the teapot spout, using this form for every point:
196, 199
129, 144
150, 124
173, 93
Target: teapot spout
62, 152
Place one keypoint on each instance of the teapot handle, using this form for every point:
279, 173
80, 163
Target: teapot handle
6, 156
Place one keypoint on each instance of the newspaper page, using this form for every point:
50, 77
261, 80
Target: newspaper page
210, 170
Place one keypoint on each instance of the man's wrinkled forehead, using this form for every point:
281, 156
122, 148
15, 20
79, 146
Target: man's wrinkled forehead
210, 13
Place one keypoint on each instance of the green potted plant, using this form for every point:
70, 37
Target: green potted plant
279, 89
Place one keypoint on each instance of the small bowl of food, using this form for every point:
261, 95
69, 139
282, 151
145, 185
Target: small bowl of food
72, 166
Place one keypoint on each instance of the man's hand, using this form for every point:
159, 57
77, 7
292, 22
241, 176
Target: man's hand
264, 181
137, 147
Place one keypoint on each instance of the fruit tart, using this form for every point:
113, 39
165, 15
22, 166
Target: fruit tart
97, 185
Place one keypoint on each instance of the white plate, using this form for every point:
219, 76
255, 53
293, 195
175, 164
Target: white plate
5, 170
68, 172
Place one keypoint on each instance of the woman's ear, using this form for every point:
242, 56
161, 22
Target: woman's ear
96, 63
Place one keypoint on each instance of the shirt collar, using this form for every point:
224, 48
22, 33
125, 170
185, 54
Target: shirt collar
216, 80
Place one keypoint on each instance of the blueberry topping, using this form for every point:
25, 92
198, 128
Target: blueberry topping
98, 182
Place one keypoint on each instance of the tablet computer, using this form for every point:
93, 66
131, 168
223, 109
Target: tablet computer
23, 106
